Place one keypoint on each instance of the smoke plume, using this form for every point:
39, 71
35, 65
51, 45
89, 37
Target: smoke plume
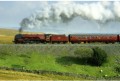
64, 13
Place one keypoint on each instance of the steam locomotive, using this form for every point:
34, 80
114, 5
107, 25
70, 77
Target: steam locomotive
62, 38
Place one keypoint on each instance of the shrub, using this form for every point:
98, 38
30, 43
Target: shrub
83, 52
94, 56
117, 68
99, 56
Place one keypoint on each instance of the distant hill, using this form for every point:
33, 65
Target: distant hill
12, 32
8, 32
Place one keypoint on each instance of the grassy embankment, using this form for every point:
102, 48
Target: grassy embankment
59, 58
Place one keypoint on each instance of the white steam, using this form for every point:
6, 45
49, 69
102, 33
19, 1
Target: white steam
60, 13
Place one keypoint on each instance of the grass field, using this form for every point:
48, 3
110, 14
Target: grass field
58, 58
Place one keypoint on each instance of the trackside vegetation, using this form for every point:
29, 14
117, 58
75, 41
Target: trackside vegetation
62, 58
99, 56
93, 56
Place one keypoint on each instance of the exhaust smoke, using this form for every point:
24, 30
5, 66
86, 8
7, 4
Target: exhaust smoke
64, 15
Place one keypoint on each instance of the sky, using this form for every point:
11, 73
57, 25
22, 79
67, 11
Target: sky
12, 13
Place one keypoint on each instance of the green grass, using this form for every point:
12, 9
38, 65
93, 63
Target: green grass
59, 58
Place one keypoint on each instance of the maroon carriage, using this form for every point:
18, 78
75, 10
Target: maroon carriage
78, 38
59, 39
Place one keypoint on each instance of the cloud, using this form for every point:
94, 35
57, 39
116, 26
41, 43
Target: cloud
116, 8
60, 16
66, 12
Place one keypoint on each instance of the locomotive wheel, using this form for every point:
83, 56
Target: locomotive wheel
61, 42
113, 42
79, 42
72, 42
106, 42
31, 42
53, 42
64, 42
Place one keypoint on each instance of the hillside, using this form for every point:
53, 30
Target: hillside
54, 58
8, 32
59, 58
7, 35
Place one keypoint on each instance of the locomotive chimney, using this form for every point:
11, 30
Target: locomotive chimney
20, 30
